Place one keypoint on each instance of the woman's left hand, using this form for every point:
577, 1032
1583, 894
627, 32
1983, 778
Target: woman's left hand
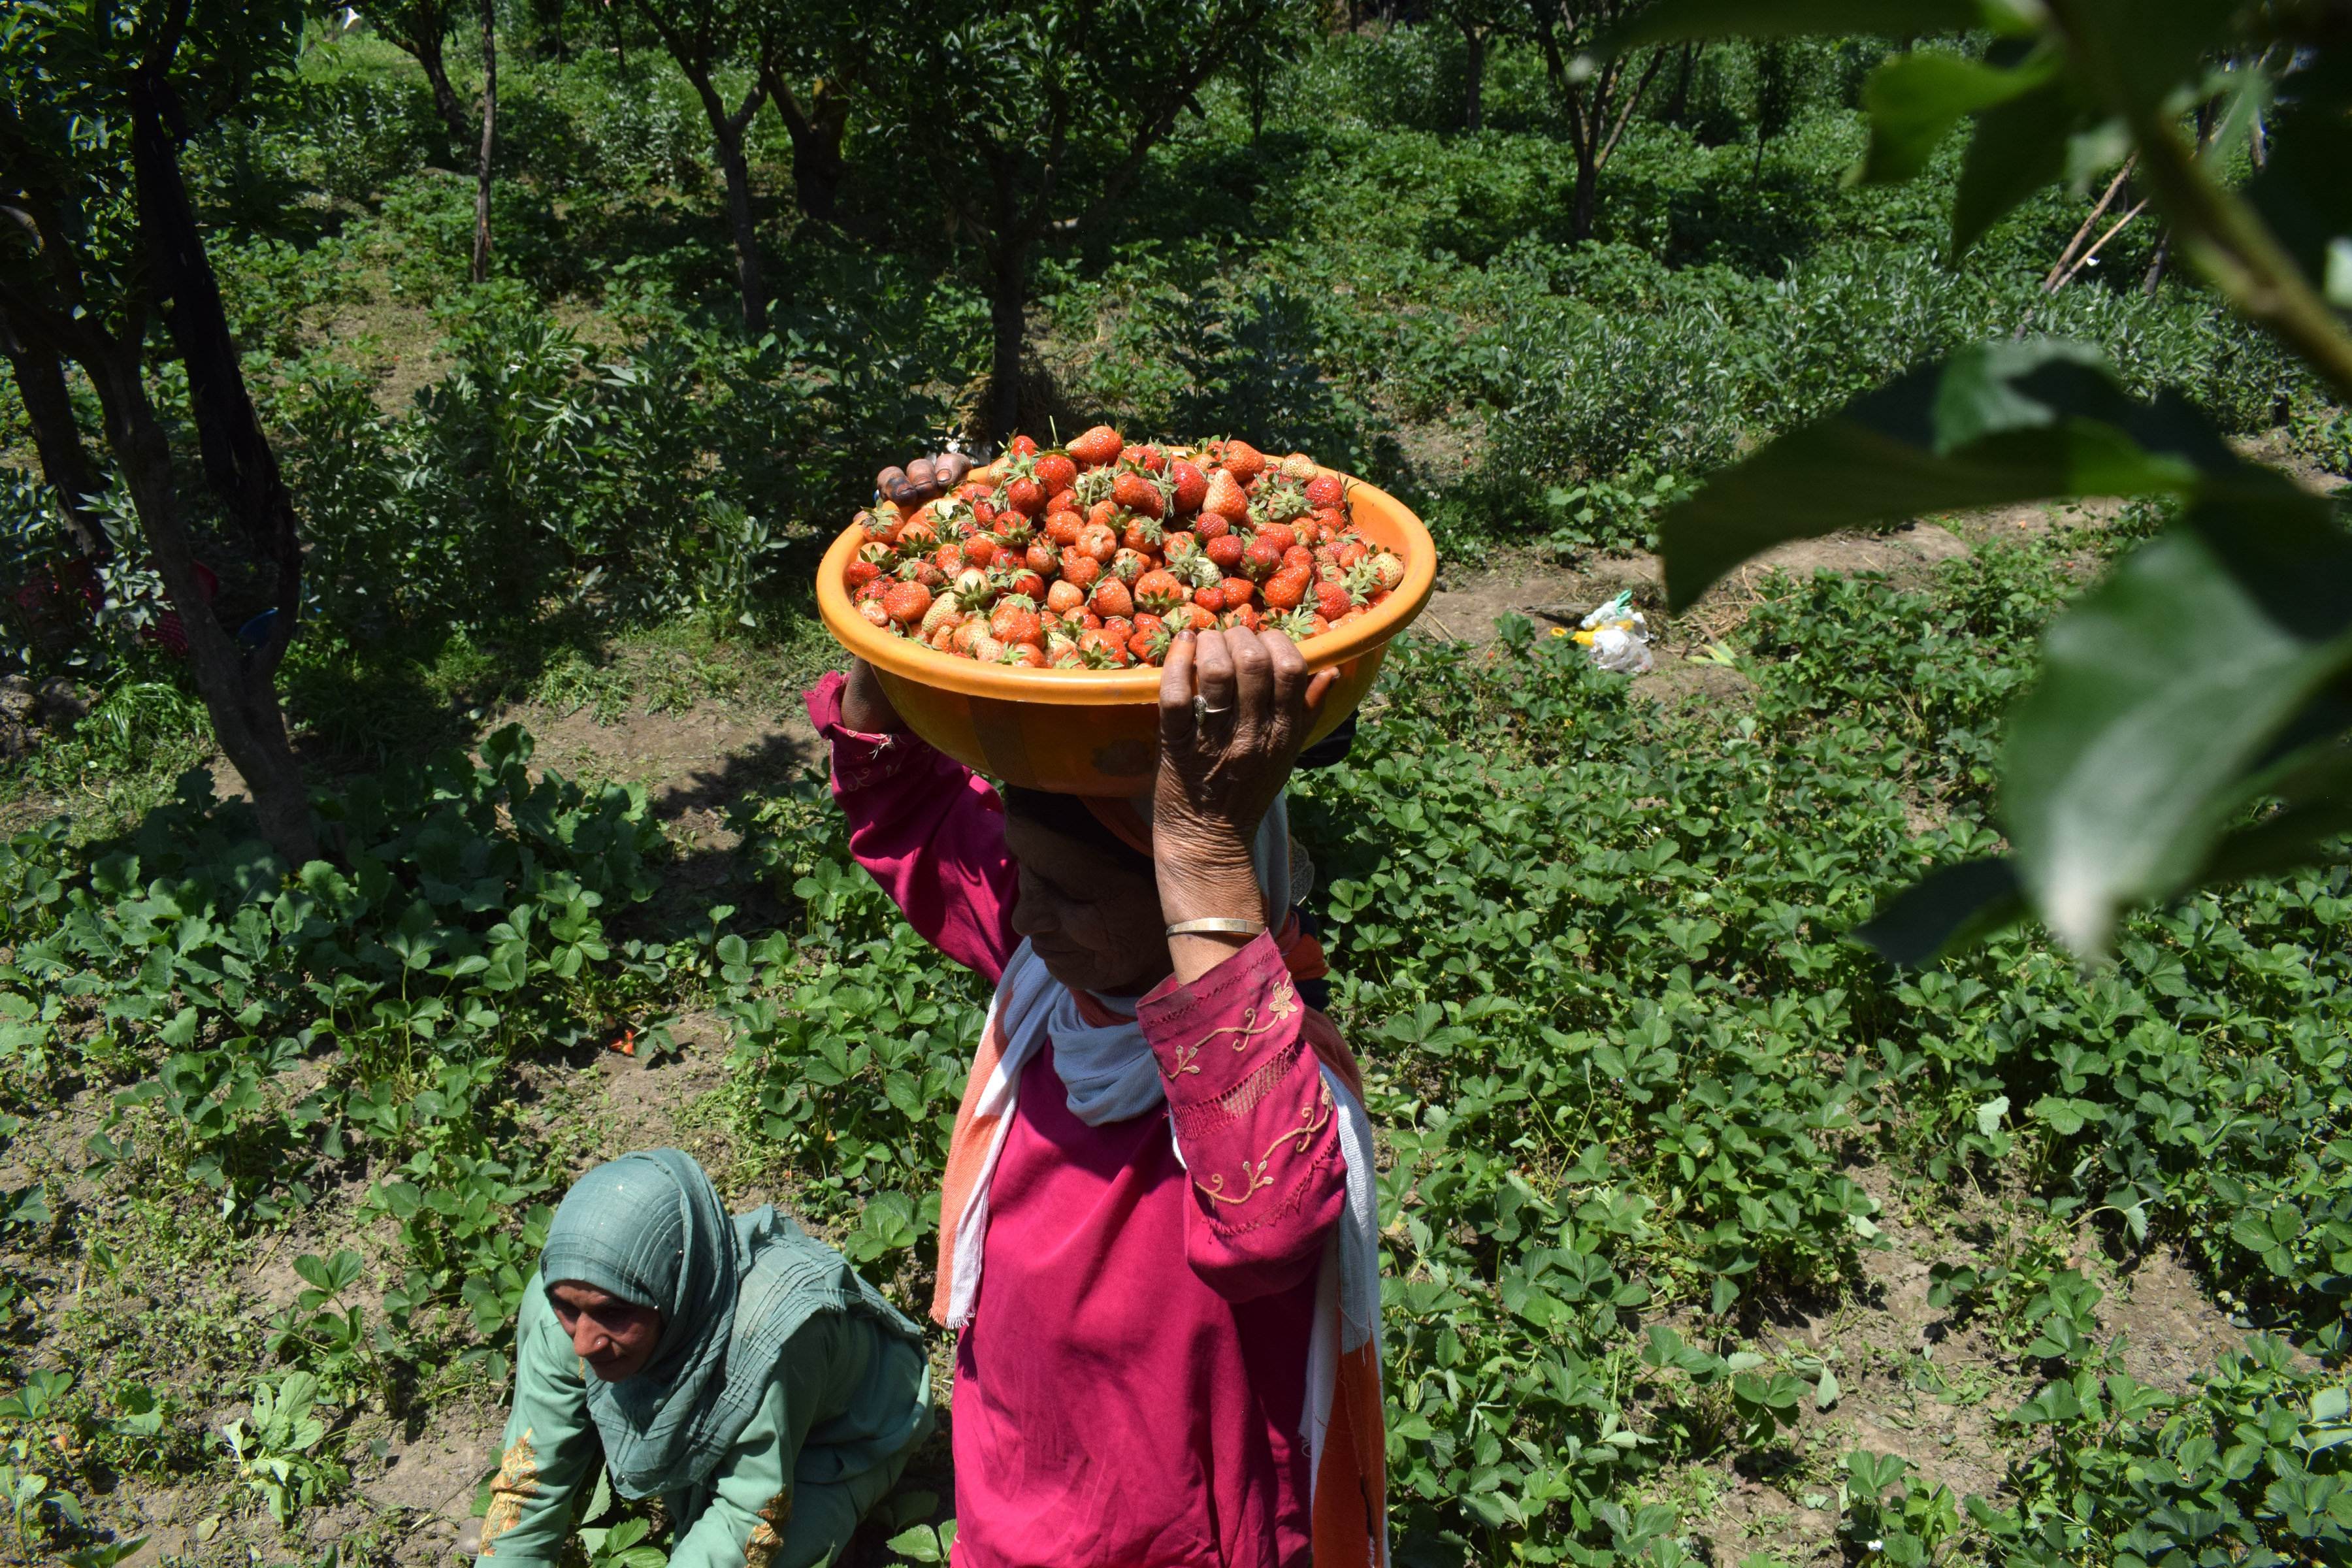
1235, 708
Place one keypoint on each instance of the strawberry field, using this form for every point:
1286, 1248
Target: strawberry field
1711, 1233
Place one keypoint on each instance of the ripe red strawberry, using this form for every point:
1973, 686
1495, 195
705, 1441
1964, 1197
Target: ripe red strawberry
1192, 486
1137, 493
1062, 598
920, 534
1223, 499
962, 639
1097, 447
1026, 496
874, 590
1143, 534
906, 602
1066, 655
1261, 559
1119, 627
1240, 459
1027, 655
1029, 583
1056, 472
1286, 588
1012, 529
1210, 598
1025, 446
943, 635
1298, 556
1208, 525
1159, 591
1226, 550
1101, 651
980, 550
1062, 527
949, 558
1014, 619
1103, 514
1239, 590
860, 573
1279, 536
1129, 564
1080, 570
1145, 457
1111, 598
1043, 557
1326, 489
1351, 552
1332, 600
1150, 647
1097, 541
1248, 619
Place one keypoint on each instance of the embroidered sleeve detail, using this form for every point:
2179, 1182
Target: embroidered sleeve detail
1198, 1117
767, 1535
1216, 1032
1256, 1175
515, 1483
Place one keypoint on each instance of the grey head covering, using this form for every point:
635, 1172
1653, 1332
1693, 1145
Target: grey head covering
650, 1229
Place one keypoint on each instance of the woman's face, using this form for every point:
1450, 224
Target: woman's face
1095, 923
615, 1338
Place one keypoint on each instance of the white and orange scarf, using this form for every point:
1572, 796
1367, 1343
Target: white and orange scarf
1109, 1070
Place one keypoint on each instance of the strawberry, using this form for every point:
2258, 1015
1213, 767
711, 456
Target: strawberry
1318, 626
920, 534
1298, 556
1111, 598
1192, 486
1143, 534
1025, 447
1043, 558
1061, 501
1239, 590
1298, 466
874, 591
1026, 496
874, 612
987, 649
1286, 588
1064, 655
1012, 529
1056, 472
944, 610
1144, 457
1080, 570
1210, 598
1159, 591
965, 636
1226, 550
1246, 618
1208, 525
1101, 651
1350, 553
906, 602
1029, 584
1097, 447
1027, 655
1281, 537
927, 572
1261, 559
1014, 620
980, 550
1129, 564
1137, 493
942, 636
1240, 459
1223, 499
1390, 569
860, 573
1326, 491
1062, 598
1119, 627
1150, 647
1332, 600
1097, 540
1062, 527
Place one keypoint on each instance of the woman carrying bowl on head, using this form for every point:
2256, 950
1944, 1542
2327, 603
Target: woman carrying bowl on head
735, 1366
1157, 1240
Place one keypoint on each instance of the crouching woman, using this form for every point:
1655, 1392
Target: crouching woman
735, 1366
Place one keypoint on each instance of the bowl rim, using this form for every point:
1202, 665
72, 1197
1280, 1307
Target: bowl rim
911, 661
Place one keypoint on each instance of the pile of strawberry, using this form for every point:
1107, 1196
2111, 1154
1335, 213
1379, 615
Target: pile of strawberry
1095, 555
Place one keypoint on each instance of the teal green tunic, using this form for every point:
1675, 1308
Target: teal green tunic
849, 1401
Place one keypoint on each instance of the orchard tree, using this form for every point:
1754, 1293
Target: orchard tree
1482, 24
1030, 118
417, 29
704, 36
2188, 724
795, 50
99, 241
1594, 97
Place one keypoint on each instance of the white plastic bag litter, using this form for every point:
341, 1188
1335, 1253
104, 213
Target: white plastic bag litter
1618, 637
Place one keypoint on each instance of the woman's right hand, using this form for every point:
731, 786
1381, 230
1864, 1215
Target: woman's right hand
865, 706
922, 479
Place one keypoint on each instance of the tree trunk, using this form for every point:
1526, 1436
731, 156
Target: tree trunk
1587, 183
2155, 276
489, 142
241, 694
242, 702
425, 46
1678, 107
816, 132
729, 130
1008, 304
1473, 78
65, 463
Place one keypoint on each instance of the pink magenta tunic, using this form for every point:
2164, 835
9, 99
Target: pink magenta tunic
1130, 1390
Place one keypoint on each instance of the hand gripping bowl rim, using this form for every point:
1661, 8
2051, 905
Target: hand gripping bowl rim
913, 661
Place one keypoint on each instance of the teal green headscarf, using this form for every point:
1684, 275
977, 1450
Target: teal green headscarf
650, 1229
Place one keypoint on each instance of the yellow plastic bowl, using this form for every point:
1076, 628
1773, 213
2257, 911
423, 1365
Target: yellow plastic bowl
1019, 725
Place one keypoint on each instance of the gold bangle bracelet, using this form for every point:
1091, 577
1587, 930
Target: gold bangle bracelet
1217, 925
